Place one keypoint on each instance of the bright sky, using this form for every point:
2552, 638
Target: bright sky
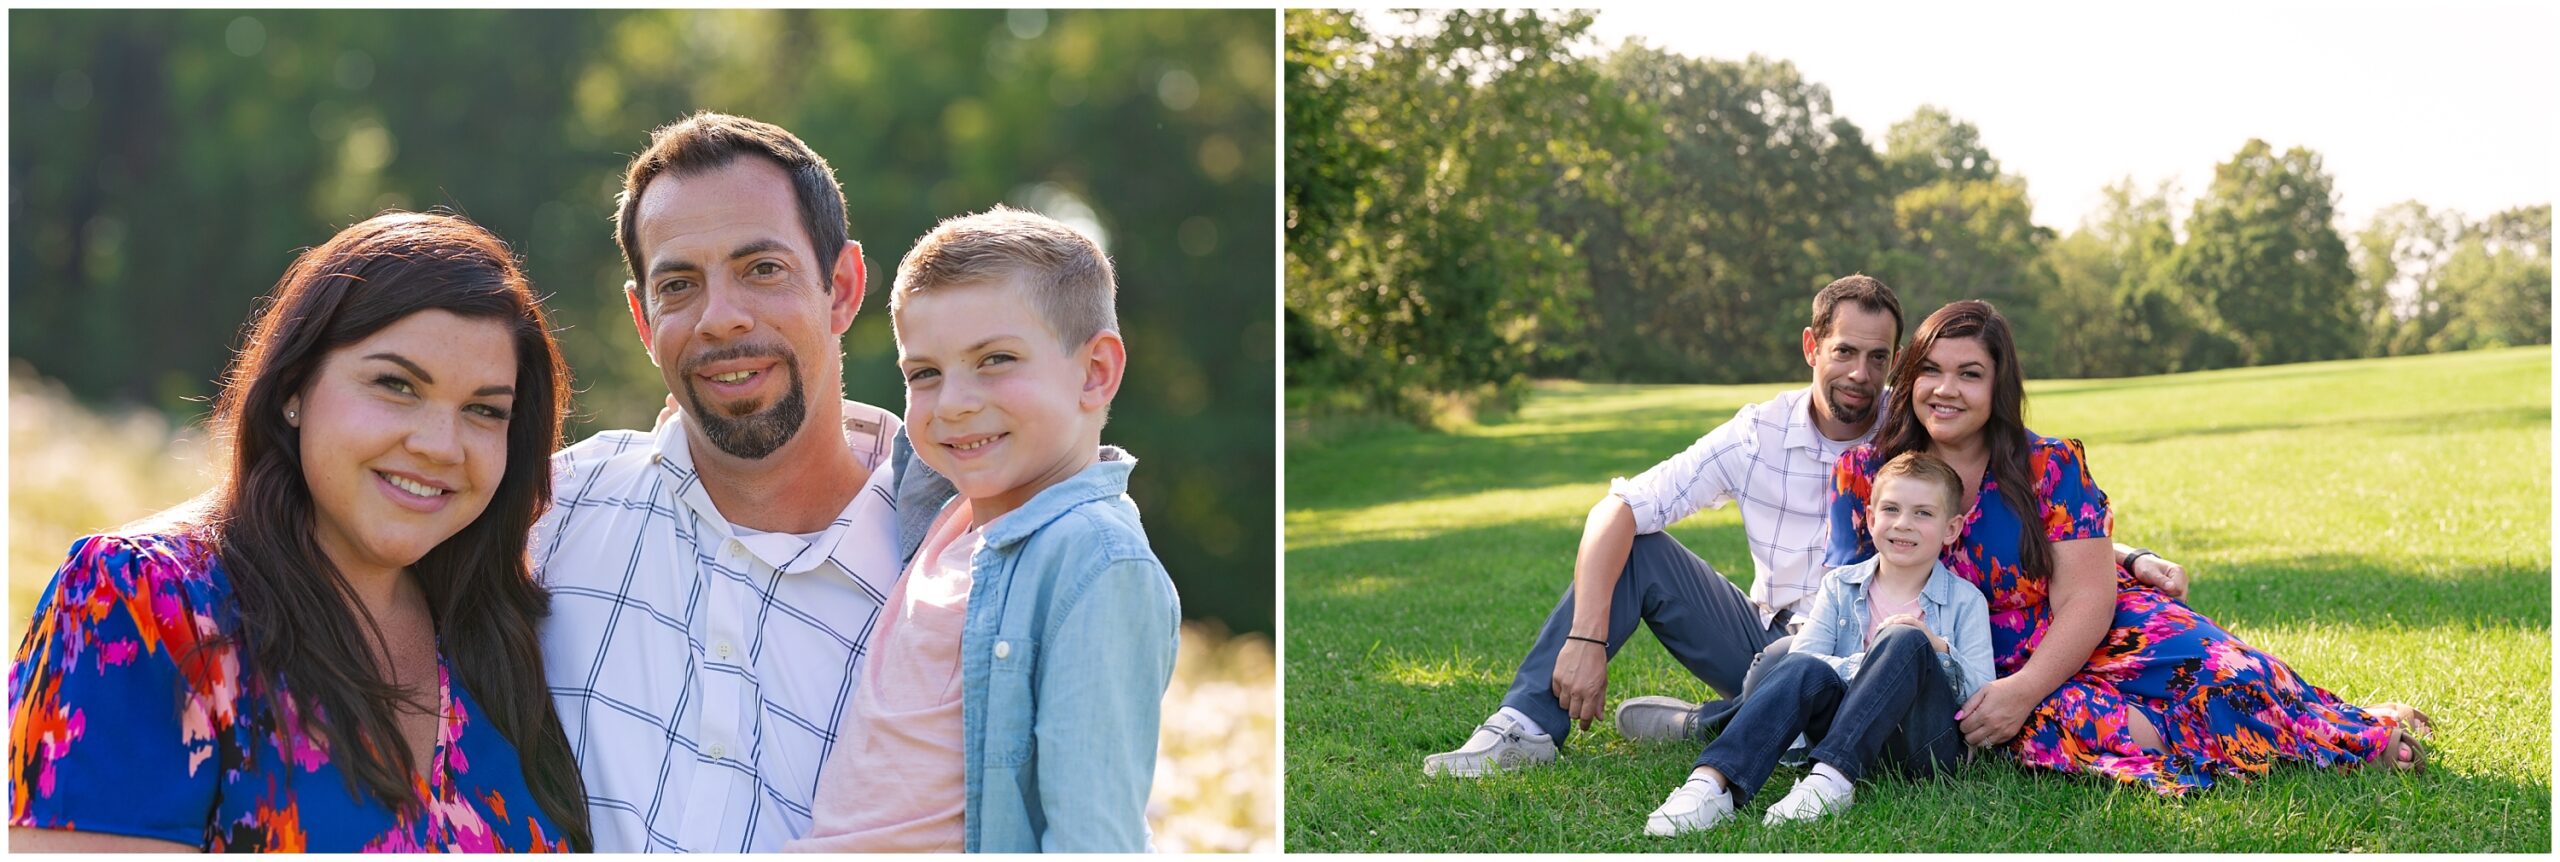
2450, 104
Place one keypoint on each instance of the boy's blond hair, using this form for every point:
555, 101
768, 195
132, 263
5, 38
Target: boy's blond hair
1927, 468
1069, 277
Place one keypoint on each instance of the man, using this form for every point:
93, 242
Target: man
715, 581
1776, 458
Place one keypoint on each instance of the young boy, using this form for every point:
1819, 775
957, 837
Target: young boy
1010, 701
1893, 644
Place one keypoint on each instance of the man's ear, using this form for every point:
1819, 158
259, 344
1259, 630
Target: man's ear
1105, 359
639, 317
1810, 343
844, 299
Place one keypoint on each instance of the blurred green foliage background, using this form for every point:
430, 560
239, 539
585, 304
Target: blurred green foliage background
165, 166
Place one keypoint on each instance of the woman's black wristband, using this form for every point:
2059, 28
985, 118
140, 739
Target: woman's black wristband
1603, 644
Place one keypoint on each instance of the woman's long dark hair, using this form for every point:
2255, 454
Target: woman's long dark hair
301, 621
2006, 431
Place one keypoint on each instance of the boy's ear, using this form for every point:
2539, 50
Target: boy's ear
1105, 358
639, 316
1955, 528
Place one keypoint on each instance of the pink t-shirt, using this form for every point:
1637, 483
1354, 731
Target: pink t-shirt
1878, 609
893, 784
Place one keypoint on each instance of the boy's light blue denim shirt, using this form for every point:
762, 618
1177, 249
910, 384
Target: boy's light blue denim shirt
1065, 656
1836, 629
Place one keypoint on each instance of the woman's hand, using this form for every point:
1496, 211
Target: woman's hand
1995, 712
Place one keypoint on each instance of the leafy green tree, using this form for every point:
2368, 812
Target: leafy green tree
1705, 254
2399, 258
1429, 267
2262, 255
1932, 145
2498, 283
1963, 230
2115, 309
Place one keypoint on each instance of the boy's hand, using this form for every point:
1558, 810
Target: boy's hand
1913, 620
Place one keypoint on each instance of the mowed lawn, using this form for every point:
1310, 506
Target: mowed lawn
2381, 525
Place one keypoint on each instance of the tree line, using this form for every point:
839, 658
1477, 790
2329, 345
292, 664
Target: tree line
1470, 202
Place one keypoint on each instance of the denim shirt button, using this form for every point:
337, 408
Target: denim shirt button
1003, 649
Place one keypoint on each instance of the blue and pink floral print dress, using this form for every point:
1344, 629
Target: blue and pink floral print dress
132, 713
2223, 707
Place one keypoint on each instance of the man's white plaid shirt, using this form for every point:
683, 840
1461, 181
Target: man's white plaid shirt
1771, 457
702, 677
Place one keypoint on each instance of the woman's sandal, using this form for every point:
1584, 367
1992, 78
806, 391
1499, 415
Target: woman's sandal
2407, 748
2405, 751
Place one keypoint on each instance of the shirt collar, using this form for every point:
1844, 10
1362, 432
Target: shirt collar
867, 431
1106, 478
1940, 589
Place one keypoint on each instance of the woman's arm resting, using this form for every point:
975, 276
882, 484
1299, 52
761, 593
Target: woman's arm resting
2084, 603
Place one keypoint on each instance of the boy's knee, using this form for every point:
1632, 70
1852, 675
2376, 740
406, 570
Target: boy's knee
1902, 636
1794, 664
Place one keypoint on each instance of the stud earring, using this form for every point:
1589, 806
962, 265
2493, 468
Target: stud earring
290, 416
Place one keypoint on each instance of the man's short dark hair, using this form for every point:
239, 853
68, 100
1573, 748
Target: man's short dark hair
1865, 290
709, 141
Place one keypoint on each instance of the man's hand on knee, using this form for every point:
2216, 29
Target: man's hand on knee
1581, 680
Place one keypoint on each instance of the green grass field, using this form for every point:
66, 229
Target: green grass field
2382, 525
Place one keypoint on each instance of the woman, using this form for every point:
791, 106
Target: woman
2160, 697
334, 649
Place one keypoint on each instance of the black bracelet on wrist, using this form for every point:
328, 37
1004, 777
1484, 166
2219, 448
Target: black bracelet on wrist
1603, 644
2136, 556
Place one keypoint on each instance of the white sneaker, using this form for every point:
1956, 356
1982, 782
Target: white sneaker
1695, 806
1498, 744
1812, 799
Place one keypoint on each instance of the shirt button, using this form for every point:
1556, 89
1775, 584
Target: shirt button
717, 751
737, 548
722, 649
1003, 649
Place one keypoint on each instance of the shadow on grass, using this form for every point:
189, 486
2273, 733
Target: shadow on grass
2331, 589
2416, 424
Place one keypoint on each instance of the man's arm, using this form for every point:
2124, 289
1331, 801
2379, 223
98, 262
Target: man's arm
1582, 667
2169, 578
1695, 478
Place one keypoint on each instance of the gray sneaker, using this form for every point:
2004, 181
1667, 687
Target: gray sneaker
1656, 718
1798, 754
1498, 744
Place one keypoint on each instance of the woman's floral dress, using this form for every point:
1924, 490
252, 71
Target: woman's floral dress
2222, 707
132, 713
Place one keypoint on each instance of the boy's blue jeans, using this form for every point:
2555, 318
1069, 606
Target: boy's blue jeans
1898, 713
